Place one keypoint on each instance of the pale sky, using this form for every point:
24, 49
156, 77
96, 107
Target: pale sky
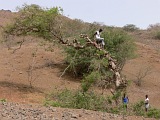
141, 13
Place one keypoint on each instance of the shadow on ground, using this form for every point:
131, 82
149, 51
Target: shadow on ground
20, 87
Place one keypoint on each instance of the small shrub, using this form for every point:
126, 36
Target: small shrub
3, 100
89, 101
138, 108
154, 27
154, 113
155, 30
157, 35
130, 28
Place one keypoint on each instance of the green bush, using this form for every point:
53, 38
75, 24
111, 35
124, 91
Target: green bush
120, 45
138, 108
79, 60
3, 100
61, 99
77, 99
86, 100
92, 101
130, 28
154, 30
157, 35
89, 80
33, 20
154, 113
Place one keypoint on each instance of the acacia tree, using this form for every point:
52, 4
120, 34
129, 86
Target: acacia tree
84, 57
120, 45
33, 20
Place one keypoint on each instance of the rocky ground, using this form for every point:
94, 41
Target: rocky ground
15, 111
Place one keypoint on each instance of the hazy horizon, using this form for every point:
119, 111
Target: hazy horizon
109, 12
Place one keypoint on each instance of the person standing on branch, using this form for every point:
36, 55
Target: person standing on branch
99, 40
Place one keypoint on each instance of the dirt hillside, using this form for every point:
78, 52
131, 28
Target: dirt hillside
14, 77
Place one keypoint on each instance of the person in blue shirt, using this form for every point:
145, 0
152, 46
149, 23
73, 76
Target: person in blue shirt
125, 101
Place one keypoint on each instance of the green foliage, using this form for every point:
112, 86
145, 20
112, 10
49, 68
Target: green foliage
88, 60
138, 108
79, 60
33, 20
89, 80
88, 101
3, 100
120, 45
85, 60
92, 101
89, 63
154, 29
117, 95
157, 35
130, 28
109, 99
62, 99
154, 113
77, 100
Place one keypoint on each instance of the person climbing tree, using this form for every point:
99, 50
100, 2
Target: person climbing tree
99, 40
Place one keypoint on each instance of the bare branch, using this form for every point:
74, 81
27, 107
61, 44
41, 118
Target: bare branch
21, 42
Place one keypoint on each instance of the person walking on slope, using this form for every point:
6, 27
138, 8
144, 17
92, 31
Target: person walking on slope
99, 40
125, 101
146, 102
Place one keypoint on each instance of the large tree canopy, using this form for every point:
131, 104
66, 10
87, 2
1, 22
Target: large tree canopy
84, 57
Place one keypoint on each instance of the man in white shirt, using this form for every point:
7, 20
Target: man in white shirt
99, 40
146, 102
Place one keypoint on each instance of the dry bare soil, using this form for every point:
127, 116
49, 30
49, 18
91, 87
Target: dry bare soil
14, 77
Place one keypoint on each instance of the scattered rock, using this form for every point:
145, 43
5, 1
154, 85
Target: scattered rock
15, 111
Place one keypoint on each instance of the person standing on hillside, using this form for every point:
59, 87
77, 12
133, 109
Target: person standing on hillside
99, 40
125, 101
146, 102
